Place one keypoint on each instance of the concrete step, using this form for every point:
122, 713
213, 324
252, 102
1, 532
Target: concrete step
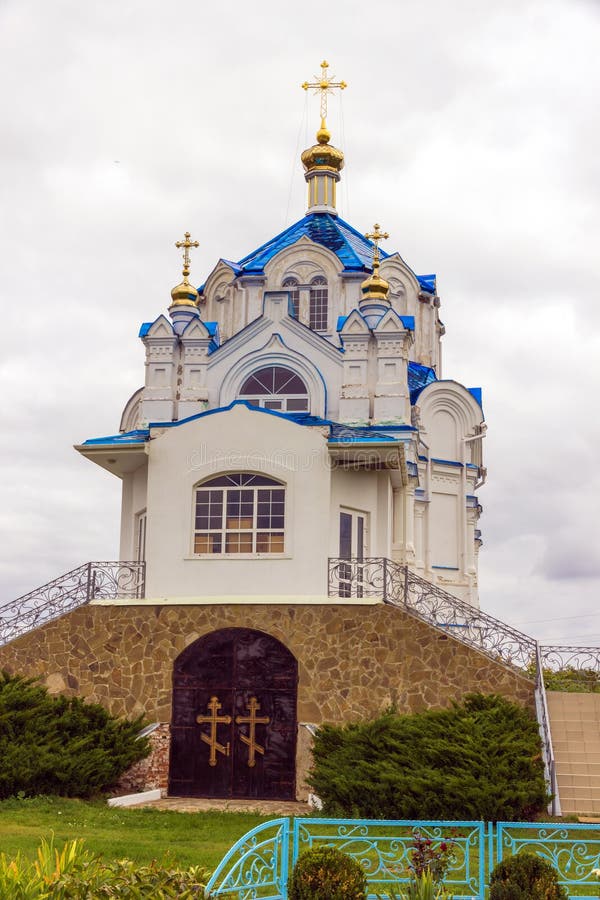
568, 767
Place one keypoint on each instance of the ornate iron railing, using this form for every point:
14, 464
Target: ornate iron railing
573, 850
580, 665
257, 865
91, 581
384, 848
396, 584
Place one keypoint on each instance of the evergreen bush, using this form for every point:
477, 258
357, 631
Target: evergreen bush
61, 745
324, 873
478, 760
525, 877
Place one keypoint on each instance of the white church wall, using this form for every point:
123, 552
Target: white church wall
238, 440
367, 492
134, 501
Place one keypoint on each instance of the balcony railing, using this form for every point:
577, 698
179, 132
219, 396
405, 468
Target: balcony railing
91, 581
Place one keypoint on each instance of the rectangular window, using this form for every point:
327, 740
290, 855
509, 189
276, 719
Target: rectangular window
318, 308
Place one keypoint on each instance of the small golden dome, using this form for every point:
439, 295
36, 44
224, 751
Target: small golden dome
184, 294
374, 287
322, 155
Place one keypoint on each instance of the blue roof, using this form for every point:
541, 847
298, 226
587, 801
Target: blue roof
128, 437
419, 377
351, 247
427, 282
407, 321
337, 433
476, 392
145, 328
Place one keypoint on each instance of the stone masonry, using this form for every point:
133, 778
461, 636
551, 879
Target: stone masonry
354, 660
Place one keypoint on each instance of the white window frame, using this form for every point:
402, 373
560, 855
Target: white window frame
224, 529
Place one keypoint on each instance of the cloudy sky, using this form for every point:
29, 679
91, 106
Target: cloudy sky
471, 133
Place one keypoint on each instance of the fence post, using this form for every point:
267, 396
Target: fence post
385, 577
88, 587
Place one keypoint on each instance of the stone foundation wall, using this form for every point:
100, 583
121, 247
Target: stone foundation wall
353, 660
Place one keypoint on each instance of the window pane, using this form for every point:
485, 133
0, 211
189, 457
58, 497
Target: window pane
297, 404
238, 542
207, 543
269, 542
273, 404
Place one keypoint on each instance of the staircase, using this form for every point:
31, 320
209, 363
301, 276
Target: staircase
576, 740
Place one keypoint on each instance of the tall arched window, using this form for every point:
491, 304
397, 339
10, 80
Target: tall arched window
274, 387
240, 513
318, 317
292, 285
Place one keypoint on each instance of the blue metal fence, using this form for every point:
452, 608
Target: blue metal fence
257, 866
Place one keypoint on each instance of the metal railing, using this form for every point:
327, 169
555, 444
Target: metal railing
91, 581
258, 864
396, 584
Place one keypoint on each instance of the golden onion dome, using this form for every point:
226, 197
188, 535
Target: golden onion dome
323, 155
184, 294
374, 287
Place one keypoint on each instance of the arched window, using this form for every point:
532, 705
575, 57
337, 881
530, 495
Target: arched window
292, 285
239, 513
274, 387
318, 317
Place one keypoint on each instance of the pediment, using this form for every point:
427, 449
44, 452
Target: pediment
196, 329
390, 323
160, 328
354, 325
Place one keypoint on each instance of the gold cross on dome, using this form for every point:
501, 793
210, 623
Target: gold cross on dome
186, 244
325, 85
214, 720
252, 721
376, 235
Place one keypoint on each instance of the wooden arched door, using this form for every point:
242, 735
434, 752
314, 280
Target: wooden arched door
233, 729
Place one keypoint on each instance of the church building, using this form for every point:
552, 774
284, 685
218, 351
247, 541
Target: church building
295, 456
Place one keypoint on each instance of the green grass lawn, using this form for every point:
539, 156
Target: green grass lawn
142, 835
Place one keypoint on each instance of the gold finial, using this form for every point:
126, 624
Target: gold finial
376, 235
374, 287
186, 244
325, 85
184, 294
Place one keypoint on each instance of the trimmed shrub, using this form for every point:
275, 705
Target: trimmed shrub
61, 745
525, 877
479, 760
324, 873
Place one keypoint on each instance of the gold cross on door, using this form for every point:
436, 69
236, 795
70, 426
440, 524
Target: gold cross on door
252, 720
214, 720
